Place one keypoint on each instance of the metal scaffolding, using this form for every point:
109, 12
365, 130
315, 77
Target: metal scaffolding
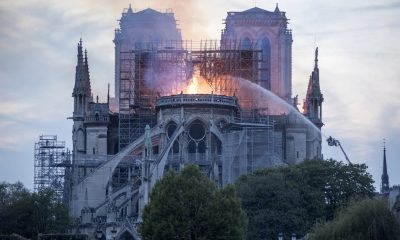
157, 69
51, 161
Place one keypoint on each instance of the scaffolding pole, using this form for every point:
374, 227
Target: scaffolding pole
155, 69
52, 159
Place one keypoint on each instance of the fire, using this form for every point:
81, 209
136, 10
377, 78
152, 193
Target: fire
198, 85
193, 86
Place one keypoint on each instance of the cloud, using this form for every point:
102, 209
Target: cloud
376, 7
15, 133
12, 108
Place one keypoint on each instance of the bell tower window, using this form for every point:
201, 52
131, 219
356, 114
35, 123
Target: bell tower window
265, 80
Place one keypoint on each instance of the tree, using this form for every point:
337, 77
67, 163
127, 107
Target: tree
291, 199
49, 214
189, 206
338, 182
28, 214
369, 219
15, 210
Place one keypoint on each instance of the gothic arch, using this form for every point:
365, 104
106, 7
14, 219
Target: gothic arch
245, 43
197, 132
170, 128
80, 140
125, 234
196, 118
265, 78
246, 34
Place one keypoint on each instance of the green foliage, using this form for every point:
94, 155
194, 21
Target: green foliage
15, 209
369, 219
50, 215
291, 199
189, 206
338, 182
28, 214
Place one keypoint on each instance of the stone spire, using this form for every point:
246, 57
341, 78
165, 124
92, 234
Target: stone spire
108, 93
314, 79
130, 9
313, 104
385, 177
82, 92
276, 8
79, 70
86, 72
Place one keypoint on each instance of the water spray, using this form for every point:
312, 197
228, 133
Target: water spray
334, 142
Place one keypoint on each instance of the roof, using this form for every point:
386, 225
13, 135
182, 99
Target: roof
147, 15
256, 10
149, 11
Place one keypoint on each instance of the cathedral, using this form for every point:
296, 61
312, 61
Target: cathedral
225, 106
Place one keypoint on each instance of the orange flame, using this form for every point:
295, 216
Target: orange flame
193, 86
198, 85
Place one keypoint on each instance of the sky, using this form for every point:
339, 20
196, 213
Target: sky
359, 60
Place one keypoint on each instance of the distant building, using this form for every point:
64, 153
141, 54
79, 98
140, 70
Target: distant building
394, 200
120, 152
385, 189
392, 193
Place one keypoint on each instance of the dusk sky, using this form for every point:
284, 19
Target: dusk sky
359, 60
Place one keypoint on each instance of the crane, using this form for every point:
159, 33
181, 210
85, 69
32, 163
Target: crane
334, 142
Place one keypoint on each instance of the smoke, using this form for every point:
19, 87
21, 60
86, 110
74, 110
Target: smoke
183, 77
190, 17
167, 81
189, 14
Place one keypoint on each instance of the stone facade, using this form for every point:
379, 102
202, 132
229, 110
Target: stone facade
110, 187
138, 28
269, 32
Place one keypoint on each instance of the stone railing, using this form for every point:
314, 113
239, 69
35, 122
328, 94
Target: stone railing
191, 99
96, 119
91, 160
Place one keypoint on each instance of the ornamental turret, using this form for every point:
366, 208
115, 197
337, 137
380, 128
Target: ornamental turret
385, 177
313, 104
82, 93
